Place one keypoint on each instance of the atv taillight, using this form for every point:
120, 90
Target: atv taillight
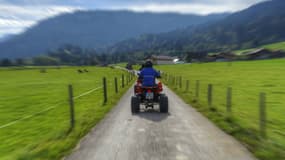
148, 91
138, 89
139, 81
160, 89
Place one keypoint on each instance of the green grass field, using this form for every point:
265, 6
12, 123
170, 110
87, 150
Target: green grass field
247, 80
273, 46
45, 135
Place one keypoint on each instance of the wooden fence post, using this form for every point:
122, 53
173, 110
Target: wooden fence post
210, 95
123, 80
197, 88
167, 78
177, 82
105, 90
229, 100
187, 86
262, 114
127, 79
71, 105
132, 75
180, 82
116, 84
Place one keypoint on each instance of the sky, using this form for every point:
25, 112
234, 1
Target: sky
18, 15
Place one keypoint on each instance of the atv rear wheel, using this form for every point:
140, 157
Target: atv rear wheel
163, 104
135, 104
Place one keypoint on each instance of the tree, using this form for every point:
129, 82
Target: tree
19, 62
6, 62
45, 61
195, 55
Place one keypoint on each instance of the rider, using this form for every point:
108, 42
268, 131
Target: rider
148, 75
142, 67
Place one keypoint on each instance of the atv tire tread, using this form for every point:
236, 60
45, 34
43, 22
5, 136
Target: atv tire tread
135, 104
163, 104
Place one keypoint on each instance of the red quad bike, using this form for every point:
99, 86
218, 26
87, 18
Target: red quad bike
149, 96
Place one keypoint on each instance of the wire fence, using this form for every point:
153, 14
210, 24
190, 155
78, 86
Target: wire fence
252, 112
71, 98
31, 115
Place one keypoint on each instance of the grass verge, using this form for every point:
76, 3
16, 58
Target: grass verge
46, 135
247, 79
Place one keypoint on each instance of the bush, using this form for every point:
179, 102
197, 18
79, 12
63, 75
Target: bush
6, 62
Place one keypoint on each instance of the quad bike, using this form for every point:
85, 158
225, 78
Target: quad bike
148, 97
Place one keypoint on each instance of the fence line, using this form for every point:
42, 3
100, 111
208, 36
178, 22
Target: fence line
88, 92
47, 109
262, 100
30, 116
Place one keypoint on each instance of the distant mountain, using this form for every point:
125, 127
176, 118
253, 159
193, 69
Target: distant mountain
260, 24
95, 29
6, 37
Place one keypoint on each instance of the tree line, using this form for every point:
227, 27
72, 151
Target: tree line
70, 55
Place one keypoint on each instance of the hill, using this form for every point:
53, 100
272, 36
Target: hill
95, 29
6, 37
257, 25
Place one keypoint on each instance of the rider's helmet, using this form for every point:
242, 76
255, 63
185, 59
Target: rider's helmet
148, 64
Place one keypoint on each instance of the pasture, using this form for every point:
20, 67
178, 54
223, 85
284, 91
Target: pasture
273, 46
34, 104
247, 80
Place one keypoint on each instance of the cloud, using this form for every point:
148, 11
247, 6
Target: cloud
13, 26
15, 19
33, 12
180, 8
196, 7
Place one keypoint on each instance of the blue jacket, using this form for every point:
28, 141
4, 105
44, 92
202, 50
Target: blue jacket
148, 76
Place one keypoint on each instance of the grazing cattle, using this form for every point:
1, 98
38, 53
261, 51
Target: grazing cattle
79, 71
85, 70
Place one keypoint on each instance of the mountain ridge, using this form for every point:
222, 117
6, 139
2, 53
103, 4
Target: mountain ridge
95, 29
259, 24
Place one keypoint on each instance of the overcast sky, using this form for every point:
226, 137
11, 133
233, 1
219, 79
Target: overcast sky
17, 15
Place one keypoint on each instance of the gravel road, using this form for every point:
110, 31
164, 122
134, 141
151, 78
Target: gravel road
183, 134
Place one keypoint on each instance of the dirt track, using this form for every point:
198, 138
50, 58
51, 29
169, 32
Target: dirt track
183, 134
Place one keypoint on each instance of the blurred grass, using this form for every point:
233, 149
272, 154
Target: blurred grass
45, 136
247, 80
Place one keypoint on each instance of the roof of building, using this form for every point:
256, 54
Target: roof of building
222, 55
258, 51
162, 58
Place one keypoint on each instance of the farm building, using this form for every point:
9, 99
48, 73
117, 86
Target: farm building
221, 57
258, 54
161, 59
